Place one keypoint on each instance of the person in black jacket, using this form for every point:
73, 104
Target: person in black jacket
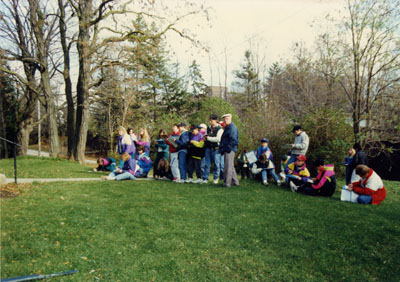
360, 158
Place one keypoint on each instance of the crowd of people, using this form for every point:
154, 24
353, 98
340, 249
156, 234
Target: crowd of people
187, 154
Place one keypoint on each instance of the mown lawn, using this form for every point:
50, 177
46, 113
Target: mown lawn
41, 167
162, 231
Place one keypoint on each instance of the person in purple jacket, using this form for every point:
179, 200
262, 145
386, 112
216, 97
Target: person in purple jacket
125, 143
126, 172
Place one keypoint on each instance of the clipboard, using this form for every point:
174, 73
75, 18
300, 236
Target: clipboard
171, 140
251, 157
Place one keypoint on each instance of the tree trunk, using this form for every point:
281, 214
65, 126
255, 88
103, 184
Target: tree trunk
37, 19
67, 82
82, 88
3, 131
24, 130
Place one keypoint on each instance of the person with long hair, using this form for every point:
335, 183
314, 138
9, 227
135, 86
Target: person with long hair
125, 144
162, 149
164, 170
144, 140
126, 172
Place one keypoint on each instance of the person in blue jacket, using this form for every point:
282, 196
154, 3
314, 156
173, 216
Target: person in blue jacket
144, 162
228, 146
162, 150
182, 142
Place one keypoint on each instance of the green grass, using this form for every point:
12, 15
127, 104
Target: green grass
162, 231
41, 167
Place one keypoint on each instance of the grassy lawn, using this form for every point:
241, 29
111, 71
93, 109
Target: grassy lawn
162, 231
41, 167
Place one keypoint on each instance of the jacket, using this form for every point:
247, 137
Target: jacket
144, 162
125, 148
174, 135
129, 166
298, 171
214, 135
359, 158
229, 139
301, 143
196, 149
182, 141
108, 165
372, 185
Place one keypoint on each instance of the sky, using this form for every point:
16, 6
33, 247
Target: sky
272, 27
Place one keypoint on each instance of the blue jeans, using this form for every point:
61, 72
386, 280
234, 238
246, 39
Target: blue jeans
122, 176
182, 163
213, 156
271, 171
364, 199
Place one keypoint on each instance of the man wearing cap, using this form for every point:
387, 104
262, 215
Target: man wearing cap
182, 142
212, 154
228, 147
300, 145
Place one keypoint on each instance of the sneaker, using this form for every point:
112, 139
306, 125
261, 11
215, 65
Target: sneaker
205, 181
110, 177
279, 183
216, 181
265, 182
189, 180
293, 187
180, 181
198, 180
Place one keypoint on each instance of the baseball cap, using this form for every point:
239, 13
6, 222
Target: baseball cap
227, 115
182, 124
202, 125
264, 140
301, 158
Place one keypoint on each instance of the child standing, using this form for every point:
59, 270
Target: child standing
144, 140
182, 143
243, 165
195, 154
173, 151
348, 163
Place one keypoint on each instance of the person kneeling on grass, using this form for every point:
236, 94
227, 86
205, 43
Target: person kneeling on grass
297, 173
322, 185
144, 163
106, 164
164, 170
370, 187
126, 172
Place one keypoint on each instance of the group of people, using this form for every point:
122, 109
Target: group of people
188, 151
294, 173
181, 154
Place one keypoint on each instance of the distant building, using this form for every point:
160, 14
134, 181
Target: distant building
217, 91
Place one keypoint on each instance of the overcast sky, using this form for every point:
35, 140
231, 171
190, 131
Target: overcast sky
273, 26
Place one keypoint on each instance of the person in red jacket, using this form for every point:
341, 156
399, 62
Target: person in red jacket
369, 188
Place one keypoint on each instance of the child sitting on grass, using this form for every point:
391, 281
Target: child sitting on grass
106, 164
297, 173
126, 172
324, 184
370, 187
143, 163
164, 170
